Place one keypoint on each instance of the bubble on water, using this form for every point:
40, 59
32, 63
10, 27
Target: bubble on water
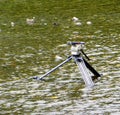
78, 23
30, 21
58, 58
75, 19
88, 22
12, 24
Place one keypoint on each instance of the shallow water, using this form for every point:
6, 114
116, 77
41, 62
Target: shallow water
24, 54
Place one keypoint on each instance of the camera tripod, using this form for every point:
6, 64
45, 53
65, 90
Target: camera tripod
89, 74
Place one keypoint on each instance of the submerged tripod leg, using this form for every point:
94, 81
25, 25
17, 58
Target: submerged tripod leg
96, 74
84, 71
53, 69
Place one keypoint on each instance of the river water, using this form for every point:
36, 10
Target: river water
42, 46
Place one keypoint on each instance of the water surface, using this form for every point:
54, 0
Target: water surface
28, 50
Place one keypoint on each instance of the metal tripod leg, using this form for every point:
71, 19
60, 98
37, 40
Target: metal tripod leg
84, 71
53, 69
96, 74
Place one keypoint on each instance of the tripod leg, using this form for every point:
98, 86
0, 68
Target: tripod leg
96, 74
84, 71
53, 69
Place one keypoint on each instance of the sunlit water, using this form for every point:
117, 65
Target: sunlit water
64, 91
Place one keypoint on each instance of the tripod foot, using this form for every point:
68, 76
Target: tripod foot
94, 78
37, 78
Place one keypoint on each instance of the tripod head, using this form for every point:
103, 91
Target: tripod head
77, 48
75, 43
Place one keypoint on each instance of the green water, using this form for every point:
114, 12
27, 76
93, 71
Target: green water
28, 50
